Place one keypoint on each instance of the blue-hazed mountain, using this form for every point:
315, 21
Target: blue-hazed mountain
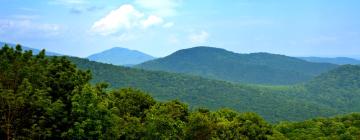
336, 60
120, 56
35, 51
257, 68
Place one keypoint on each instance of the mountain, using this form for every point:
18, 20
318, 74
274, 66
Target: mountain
257, 68
338, 88
49, 98
120, 56
336, 60
315, 98
35, 51
274, 103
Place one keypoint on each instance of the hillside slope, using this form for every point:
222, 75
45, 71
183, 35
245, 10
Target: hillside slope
257, 68
339, 88
275, 103
49, 98
120, 56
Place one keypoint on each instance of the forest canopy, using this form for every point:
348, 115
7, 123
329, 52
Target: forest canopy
49, 98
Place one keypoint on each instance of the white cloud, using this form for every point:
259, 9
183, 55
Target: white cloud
162, 8
126, 37
128, 23
27, 25
28, 28
125, 17
152, 20
198, 38
168, 24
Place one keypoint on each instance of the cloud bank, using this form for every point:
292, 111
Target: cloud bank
125, 19
199, 37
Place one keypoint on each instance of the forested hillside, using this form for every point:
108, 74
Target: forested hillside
49, 98
345, 127
339, 88
274, 103
257, 68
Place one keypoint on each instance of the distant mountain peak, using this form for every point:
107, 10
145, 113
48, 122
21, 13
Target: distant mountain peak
119, 48
120, 56
199, 51
203, 48
221, 64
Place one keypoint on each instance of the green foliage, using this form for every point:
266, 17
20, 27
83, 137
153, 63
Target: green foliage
49, 98
256, 68
44, 98
126, 99
24, 48
274, 103
339, 88
342, 127
228, 124
166, 120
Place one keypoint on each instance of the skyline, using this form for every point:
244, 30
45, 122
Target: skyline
160, 27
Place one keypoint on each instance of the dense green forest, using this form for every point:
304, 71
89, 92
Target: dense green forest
256, 68
49, 98
274, 103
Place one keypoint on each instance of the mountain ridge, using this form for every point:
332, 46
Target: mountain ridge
257, 68
275, 103
120, 56
333, 60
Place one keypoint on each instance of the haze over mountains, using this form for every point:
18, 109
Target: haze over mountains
35, 51
128, 57
120, 56
336, 60
257, 68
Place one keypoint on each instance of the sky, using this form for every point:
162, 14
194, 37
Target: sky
325, 28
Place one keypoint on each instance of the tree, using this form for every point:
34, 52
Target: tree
38, 96
22, 93
200, 125
166, 120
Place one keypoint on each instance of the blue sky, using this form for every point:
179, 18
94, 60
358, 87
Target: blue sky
160, 27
